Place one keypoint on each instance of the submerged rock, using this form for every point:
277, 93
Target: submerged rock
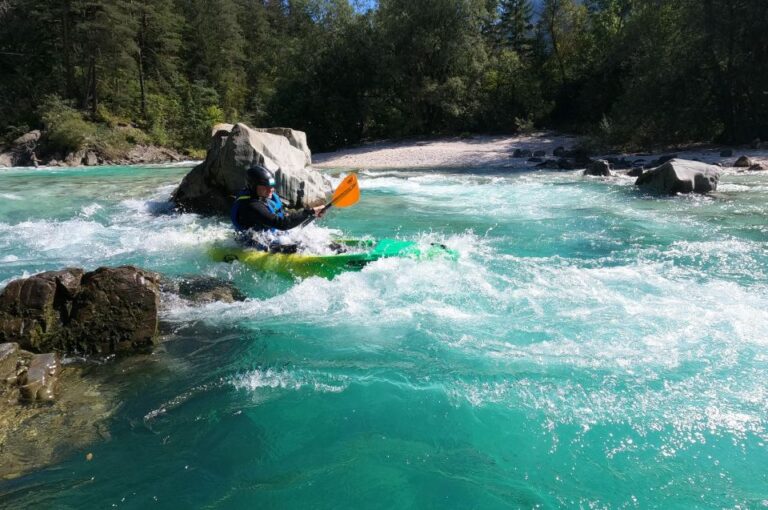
743, 162
37, 383
680, 176
204, 289
9, 357
209, 187
35, 428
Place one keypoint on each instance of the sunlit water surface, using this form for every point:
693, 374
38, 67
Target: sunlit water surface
592, 347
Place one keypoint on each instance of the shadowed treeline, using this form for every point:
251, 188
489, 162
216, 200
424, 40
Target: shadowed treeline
627, 72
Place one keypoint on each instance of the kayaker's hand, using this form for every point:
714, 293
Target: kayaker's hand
318, 211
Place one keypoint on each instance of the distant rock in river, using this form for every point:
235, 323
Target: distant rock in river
680, 176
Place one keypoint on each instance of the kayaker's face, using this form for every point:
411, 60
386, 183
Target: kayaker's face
264, 191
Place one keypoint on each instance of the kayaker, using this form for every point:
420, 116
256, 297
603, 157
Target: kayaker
258, 207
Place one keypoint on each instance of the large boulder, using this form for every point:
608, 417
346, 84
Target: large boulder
115, 311
110, 310
34, 310
210, 186
680, 176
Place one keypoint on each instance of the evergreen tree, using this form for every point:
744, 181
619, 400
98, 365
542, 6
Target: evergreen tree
215, 50
105, 34
158, 41
515, 24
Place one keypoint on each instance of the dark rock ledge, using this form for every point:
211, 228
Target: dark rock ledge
51, 406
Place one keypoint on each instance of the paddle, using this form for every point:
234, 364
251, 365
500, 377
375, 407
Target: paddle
347, 193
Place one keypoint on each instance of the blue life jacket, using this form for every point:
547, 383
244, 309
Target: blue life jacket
274, 204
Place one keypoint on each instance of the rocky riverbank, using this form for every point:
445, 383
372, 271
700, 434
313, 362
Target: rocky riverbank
33, 149
535, 150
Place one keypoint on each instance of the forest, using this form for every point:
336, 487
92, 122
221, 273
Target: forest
626, 73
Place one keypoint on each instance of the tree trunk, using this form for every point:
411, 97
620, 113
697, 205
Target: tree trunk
142, 44
94, 95
67, 43
554, 9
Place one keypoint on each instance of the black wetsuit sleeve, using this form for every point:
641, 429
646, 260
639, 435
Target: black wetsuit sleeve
256, 215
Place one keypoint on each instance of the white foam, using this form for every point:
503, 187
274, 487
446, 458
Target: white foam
87, 211
271, 378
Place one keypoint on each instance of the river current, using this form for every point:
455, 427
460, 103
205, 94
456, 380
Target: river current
592, 347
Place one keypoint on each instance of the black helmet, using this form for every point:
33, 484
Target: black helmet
257, 175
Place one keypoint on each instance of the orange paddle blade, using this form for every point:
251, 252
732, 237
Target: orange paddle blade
347, 193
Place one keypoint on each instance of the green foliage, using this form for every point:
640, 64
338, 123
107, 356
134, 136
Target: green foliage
67, 130
628, 72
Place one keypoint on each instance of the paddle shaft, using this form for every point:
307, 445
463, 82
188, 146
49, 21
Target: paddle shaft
325, 208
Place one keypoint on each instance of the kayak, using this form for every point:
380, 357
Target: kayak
355, 255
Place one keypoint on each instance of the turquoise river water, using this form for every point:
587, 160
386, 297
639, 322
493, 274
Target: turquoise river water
592, 347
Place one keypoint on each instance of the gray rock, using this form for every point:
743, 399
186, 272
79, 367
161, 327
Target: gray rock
22, 150
757, 166
91, 159
535, 160
6, 158
74, 158
539, 154
209, 187
636, 171
522, 153
727, 153
38, 382
30, 138
559, 152
680, 176
743, 162
151, 154
599, 167
297, 139
208, 289
226, 128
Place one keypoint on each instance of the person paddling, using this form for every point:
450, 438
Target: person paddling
258, 208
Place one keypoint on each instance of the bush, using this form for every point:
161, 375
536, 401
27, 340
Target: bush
67, 130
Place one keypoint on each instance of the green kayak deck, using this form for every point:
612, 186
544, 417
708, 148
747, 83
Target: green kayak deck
358, 254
